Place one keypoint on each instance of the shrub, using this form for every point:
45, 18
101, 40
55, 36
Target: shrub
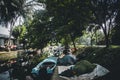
84, 52
37, 59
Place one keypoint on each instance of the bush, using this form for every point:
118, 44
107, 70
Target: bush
37, 59
82, 53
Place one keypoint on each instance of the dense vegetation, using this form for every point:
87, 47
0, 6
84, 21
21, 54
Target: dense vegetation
15, 59
64, 21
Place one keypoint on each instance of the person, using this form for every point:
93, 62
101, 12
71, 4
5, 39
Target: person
68, 58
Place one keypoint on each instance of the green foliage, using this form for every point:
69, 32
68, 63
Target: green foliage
83, 52
68, 17
83, 66
37, 59
104, 12
39, 32
65, 40
19, 32
10, 10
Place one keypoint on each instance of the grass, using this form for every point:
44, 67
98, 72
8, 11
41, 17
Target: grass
103, 56
114, 46
4, 56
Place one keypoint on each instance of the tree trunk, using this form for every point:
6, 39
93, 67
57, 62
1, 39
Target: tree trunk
106, 37
9, 39
11, 29
107, 41
91, 41
66, 43
73, 42
96, 38
74, 45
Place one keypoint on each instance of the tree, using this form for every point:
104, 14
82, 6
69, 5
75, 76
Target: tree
19, 33
116, 36
69, 16
92, 32
105, 12
116, 30
39, 32
10, 10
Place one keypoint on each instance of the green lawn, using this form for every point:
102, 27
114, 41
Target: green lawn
4, 56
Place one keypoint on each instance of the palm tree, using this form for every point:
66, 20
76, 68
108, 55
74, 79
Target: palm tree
11, 10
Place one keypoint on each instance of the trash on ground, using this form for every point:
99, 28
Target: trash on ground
97, 72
